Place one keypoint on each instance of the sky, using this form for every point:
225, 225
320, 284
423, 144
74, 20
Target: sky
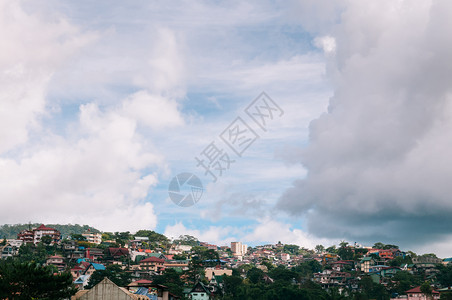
103, 104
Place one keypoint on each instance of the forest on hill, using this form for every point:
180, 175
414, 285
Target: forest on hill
10, 231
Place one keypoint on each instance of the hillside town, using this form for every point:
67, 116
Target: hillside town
147, 265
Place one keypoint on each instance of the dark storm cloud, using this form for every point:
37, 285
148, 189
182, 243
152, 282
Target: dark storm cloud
379, 161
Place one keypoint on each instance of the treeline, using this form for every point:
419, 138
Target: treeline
9, 231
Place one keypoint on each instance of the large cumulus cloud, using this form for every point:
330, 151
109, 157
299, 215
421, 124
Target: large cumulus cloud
379, 163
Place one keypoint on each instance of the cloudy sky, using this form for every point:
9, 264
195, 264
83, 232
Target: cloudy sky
101, 105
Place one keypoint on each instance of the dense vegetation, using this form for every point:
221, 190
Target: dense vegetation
30, 280
10, 231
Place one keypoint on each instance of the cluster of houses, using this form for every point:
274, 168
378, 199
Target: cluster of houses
143, 263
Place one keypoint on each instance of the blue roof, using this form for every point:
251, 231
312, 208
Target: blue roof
79, 260
448, 259
145, 292
81, 279
98, 266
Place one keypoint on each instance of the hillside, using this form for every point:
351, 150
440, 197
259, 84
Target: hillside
10, 231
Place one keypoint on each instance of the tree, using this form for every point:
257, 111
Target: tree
255, 275
403, 281
319, 248
306, 269
187, 240
33, 281
32, 253
445, 275
47, 240
378, 245
172, 280
232, 285
292, 249
268, 264
78, 237
281, 273
112, 272
427, 290
389, 246
179, 257
331, 249
346, 253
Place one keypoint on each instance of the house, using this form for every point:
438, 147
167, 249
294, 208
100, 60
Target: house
216, 284
35, 235
416, 294
182, 264
82, 281
199, 292
342, 265
93, 268
152, 264
210, 272
152, 291
57, 261
116, 254
92, 237
107, 290
366, 263
77, 271
8, 251
389, 271
94, 253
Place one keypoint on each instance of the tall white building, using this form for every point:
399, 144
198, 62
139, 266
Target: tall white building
238, 249
92, 237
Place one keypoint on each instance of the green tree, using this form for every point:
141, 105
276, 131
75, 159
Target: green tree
319, 248
281, 273
255, 275
444, 275
403, 281
306, 269
378, 245
427, 290
32, 253
112, 272
172, 280
187, 240
232, 286
389, 246
373, 290
292, 249
331, 249
78, 237
33, 281
345, 252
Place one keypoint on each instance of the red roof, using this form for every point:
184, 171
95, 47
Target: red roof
77, 268
143, 281
152, 259
42, 227
118, 251
417, 290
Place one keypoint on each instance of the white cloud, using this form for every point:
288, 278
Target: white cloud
152, 110
378, 160
326, 43
273, 231
213, 234
32, 49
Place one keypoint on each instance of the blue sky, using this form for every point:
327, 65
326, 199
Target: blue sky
103, 104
